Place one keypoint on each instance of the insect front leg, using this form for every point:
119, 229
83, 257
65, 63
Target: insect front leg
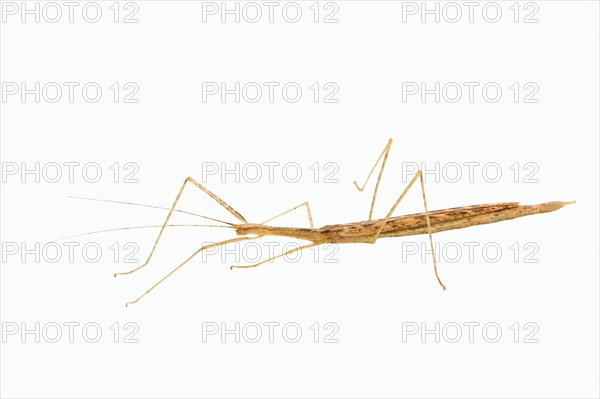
217, 244
204, 189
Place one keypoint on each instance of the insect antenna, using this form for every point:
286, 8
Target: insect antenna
226, 225
154, 226
150, 206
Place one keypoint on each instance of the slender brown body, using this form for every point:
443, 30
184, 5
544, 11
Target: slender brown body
368, 231
406, 225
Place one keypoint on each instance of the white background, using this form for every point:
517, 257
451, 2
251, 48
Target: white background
370, 293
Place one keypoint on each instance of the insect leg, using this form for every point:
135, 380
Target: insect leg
418, 175
305, 204
217, 244
209, 193
275, 257
383, 155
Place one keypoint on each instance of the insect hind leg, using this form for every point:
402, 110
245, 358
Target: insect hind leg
419, 176
384, 155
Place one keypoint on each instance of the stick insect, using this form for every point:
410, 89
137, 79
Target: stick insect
368, 231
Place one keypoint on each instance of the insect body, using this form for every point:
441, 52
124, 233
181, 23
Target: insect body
406, 225
368, 231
